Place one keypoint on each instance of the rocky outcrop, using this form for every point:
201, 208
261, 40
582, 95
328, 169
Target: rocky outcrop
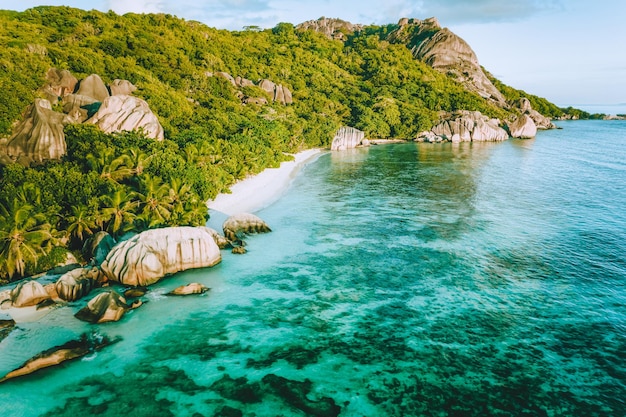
241, 224
127, 113
278, 92
105, 307
39, 136
522, 127
541, 122
347, 138
149, 256
465, 126
60, 84
76, 283
332, 28
28, 293
94, 87
447, 53
189, 289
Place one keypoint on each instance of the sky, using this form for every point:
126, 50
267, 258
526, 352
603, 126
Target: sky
568, 51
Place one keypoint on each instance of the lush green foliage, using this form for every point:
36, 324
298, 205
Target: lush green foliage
125, 182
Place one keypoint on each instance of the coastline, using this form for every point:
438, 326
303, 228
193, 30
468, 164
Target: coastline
254, 193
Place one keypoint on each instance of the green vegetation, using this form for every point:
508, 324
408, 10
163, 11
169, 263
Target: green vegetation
127, 183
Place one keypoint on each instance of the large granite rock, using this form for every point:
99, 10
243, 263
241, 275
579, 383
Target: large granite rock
465, 126
149, 256
522, 127
127, 113
94, 87
541, 122
39, 136
76, 283
104, 307
278, 92
243, 223
75, 106
447, 53
347, 138
28, 293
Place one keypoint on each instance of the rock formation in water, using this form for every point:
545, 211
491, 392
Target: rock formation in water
522, 127
104, 307
127, 113
465, 126
28, 293
189, 289
447, 53
149, 256
220, 239
241, 224
59, 354
347, 138
76, 283
333, 28
541, 122
39, 136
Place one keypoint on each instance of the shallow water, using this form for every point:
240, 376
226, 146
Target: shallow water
399, 280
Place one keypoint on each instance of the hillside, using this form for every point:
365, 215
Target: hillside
229, 103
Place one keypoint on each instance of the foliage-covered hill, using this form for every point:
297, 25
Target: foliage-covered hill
124, 182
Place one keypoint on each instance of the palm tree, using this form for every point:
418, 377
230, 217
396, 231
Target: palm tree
155, 202
139, 161
109, 166
24, 237
80, 223
118, 212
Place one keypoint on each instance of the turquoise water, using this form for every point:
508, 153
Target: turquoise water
400, 280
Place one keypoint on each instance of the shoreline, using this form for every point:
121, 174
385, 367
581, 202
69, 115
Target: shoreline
258, 191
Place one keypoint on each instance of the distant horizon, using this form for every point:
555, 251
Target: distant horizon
530, 45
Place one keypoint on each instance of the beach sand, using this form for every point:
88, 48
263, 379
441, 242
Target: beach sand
256, 192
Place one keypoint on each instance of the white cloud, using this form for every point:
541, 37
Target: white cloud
137, 6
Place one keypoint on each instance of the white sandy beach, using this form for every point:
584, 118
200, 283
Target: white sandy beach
256, 192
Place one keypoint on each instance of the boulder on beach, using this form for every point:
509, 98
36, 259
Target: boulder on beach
347, 138
243, 223
76, 283
28, 293
149, 256
104, 307
220, 239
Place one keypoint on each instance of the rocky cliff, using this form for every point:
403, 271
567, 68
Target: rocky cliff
447, 53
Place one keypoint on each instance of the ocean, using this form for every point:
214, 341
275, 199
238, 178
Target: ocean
471, 279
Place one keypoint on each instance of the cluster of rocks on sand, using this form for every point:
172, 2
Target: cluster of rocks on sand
133, 265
